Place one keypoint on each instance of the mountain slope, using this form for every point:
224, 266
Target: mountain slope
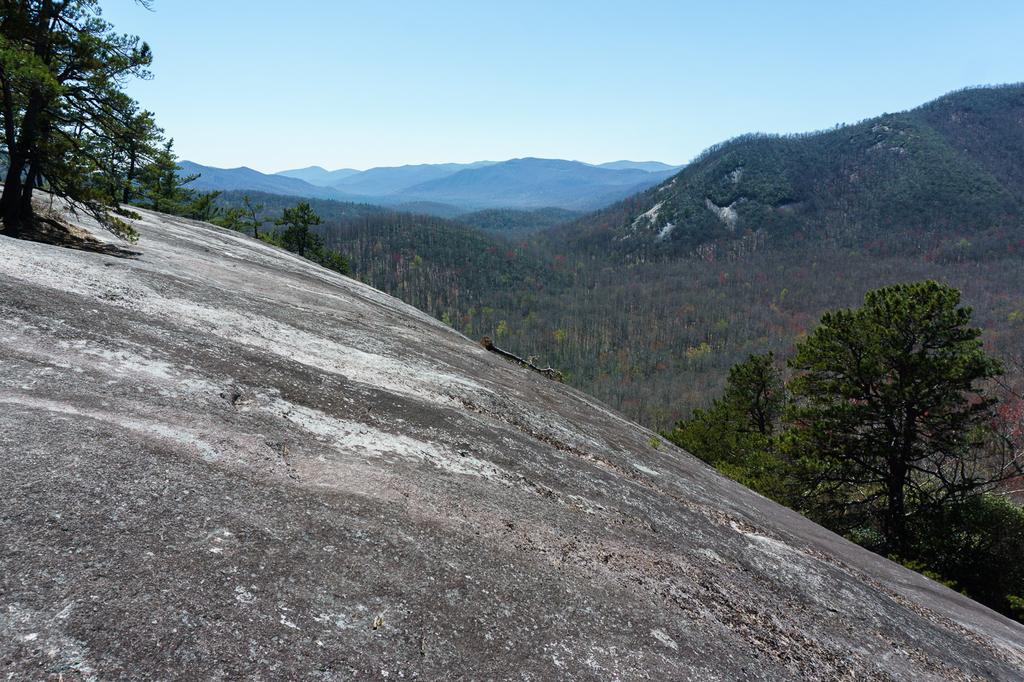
517, 222
223, 461
952, 164
535, 183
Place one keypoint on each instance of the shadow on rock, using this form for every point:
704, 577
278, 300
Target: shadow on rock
56, 233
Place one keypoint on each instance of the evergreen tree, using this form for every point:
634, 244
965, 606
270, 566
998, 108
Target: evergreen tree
242, 218
754, 391
203, 207
134, 152
232, 218
737, 434
889, 406
162, 187
63, 111
297, 236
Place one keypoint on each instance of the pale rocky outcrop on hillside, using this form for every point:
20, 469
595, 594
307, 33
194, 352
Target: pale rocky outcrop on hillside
220, 461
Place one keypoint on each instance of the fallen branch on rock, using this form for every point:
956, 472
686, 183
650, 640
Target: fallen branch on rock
549, 372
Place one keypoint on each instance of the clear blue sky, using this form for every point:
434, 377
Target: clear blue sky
340, 83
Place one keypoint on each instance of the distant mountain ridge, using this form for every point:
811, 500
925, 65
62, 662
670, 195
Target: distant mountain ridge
956, 162
535, 183
244, 178
649, 166
527, 183
390, 180
319, 176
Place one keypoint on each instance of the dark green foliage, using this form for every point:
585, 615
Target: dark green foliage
978, 546
754, 391
298, 237
888, 439
248, 217
232, 218
737, 434
333, 260
889, 404
135, 149
161, 188
953, 164
203, 207
972, 119
68, 127
513, 223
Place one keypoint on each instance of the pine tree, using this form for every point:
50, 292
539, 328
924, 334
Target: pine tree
135, 150
737, 433
66, 120
889, 405
161, 185
297, 236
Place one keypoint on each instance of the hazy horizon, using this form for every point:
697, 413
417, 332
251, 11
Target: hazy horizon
341, 86
427, 163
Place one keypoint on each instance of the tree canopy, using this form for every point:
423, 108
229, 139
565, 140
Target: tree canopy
68, 126
161, 186
243, 218
890, 401
298, 236
737, 434
887, 432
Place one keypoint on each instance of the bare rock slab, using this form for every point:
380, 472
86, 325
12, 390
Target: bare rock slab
220, 461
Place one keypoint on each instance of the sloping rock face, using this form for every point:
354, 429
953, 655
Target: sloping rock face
220, 461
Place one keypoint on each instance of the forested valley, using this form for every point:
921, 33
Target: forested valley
652, 322
656, 340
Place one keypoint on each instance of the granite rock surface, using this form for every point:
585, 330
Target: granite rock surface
221, 461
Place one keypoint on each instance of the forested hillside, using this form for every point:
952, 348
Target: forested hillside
329, 209
656, 339
951, 165
513, 222
651, 326
453, 271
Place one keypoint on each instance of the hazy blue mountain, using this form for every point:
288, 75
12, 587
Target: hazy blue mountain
534, 183
449, 188
243, 178
387, 180
649, 166
319, 176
